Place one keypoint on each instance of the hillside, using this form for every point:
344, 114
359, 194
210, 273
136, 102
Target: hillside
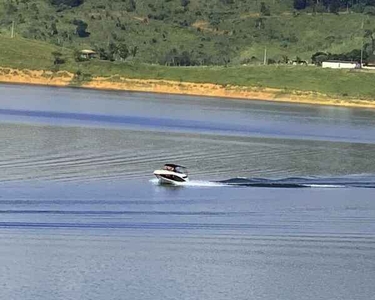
189, 32
219, 42
29, 54
348, 85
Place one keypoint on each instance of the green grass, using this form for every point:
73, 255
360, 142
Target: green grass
332, 82
29, 54
227, 31
230, 30
25, 54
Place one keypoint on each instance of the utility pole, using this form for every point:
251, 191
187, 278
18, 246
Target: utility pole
12, 31
362, 45
265, 56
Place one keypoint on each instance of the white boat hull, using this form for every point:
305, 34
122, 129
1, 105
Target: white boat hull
169, 177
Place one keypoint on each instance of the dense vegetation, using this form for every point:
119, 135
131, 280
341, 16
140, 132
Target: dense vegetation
347, 84
334, 6
196, 32
195, 40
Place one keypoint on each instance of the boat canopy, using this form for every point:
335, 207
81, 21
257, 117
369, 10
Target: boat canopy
175, 168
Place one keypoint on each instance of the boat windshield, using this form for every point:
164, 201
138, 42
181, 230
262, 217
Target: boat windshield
168, 168
181, 170
177, 169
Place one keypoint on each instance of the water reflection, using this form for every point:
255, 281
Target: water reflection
80, 219
60, 153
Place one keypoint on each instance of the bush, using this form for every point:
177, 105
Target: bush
69, 3
185, 3
131, 6
81, 28
369, 10
57, 58
265, 9
318, 57
354, 55
299, 4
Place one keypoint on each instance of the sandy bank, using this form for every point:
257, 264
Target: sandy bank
35, 77
64, 78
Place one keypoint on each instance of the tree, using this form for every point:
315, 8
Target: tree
369, 10
299, 4
355, 55
112, 51
134, 51
259, 23
170, 57
185, 3
318, 57
57, 58
334, 6
264, 9
131, 6
285, 59
370, 33
122, 51
271, 61
81, 28
227, 2
102, 53
54, 29
184, 59
10, 8
69, 3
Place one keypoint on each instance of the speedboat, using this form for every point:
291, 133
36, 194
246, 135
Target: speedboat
172, 174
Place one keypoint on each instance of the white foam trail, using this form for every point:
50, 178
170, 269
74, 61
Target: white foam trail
191, 183
199, 183
325, 186
154, 181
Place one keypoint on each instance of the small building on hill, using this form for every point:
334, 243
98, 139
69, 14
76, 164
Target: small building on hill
337, 64
87, 54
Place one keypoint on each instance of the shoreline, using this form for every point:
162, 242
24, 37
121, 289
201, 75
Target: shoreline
66, 79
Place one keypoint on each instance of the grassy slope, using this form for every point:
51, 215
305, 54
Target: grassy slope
21, 53
327, 32
332, 82
225, 30
29, 54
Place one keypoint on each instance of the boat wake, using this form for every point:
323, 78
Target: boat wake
190, 183
356, 181
305, 182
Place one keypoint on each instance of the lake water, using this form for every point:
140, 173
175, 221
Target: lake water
281, 202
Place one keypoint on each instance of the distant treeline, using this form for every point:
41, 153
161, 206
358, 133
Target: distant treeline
70, 3
334, 6
354, 55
